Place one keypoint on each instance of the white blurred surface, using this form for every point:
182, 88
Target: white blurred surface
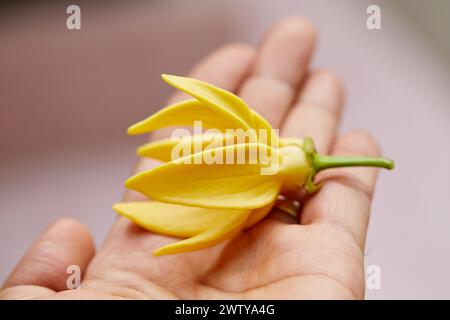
67, 98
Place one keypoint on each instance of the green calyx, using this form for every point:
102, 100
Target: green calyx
320, 162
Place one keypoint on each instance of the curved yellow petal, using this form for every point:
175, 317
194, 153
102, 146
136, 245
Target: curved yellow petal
171, 148
226, 227
195, 181
257, 215
171, 219
160, 149
211, 95
185, 113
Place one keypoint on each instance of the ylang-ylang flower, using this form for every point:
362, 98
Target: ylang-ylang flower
221, 180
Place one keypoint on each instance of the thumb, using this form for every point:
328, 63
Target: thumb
64, 243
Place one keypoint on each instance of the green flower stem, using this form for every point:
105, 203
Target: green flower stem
321, 162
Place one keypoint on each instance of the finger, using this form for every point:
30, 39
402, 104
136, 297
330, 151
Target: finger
64, 243
281, 64
344, 199
316, 112
226, 68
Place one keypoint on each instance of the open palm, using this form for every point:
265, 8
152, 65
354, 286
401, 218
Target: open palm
319, 255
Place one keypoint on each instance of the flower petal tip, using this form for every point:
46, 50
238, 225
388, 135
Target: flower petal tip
129, 183
161, 252
118, 208
167, 77
134, 129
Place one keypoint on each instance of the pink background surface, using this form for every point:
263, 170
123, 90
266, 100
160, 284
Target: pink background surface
67, 97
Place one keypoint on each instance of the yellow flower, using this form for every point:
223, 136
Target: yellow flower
218, 182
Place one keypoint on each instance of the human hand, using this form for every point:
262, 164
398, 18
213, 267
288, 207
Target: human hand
321, 255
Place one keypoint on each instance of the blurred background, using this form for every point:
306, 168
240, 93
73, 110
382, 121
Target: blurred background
67, 97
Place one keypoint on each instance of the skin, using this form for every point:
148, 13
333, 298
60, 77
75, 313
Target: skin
318, 256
